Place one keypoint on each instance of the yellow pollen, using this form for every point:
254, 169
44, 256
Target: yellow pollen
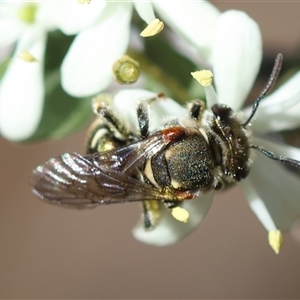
26, 56
180, 214
275, 240
204, 77
84, 1
153, 28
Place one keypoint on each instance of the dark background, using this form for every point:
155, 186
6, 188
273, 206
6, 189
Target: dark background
50, 252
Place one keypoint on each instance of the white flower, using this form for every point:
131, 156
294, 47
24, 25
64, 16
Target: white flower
87, 68
271, 190
21, 88
103, 29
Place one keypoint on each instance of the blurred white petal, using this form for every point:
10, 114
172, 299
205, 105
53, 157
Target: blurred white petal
10, 31
22, 91
273, 193
280, 109
145, 10
87, 67
258, 206
11, 26
169, 230
5, 53
70, 17
237, 54
161, 110
194, 21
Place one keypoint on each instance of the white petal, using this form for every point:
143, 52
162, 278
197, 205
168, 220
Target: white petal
22, 91
161, 110
5, 53
10, 31
258, 206
70, 17
87, 67
169, 230
145, 10
193, 20
237, 54
279, 111
273, 192
11, 27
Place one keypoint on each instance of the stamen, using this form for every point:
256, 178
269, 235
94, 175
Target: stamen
204, 77
275, 240
180, 214
26, 56
153, 28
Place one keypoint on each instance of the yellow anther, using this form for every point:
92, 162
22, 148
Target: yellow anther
84, 1
275, 240
26, 56
180, 214
153, 28
204, 77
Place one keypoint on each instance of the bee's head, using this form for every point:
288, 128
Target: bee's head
234, 142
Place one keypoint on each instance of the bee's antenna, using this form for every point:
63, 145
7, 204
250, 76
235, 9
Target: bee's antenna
269, 85
290, 161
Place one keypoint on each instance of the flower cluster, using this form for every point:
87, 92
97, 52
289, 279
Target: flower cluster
86, 68
228, 43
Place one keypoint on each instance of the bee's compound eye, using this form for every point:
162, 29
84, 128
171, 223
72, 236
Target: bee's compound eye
221, 111
242, 173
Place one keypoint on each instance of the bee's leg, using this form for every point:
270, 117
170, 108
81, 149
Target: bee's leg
179, 213
196, 109
143, 113
171, 204
107, 132
219, 183
100, 137
151, 214
111, 120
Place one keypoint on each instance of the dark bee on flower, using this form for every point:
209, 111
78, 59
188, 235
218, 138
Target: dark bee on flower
189, 155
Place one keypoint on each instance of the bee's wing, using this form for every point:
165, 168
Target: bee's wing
102, 178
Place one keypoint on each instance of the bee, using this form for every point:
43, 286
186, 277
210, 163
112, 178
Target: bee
203, 150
